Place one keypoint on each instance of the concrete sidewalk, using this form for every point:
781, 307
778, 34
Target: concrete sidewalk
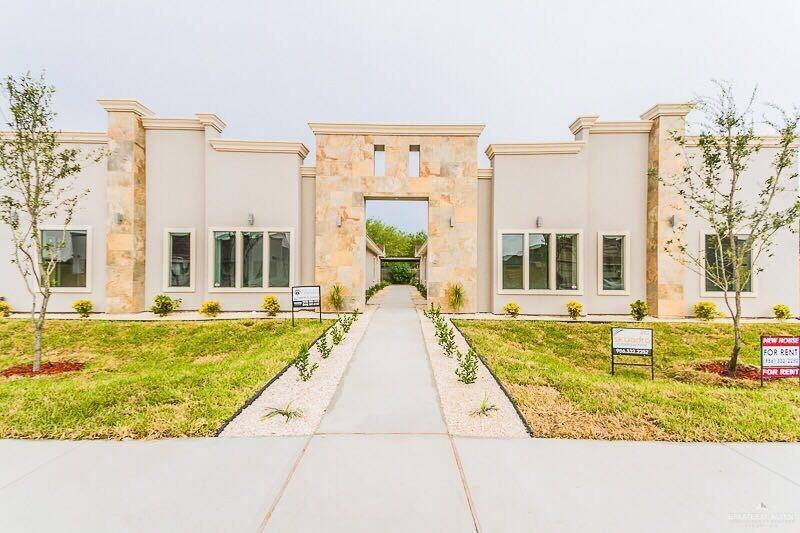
382, 460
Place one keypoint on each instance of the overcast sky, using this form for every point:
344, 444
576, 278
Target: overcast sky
525, 69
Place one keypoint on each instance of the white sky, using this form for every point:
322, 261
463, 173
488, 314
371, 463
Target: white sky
525, 69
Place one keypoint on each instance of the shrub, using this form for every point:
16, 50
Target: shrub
82, 307
782, 312
433, 311
337, 335
301, 362
164, 305
346, 321
639, 310
370, 292
467, 370
270, 305
210, 308
705, 310
511, 309
324, 348
420, 287
400, 273
448, 341
5, 308
455, 296
574, 309
336, 297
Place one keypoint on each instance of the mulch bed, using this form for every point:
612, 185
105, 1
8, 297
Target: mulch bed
57, 367
721, 368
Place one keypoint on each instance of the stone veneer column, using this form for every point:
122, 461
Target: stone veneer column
665, 273
126, 207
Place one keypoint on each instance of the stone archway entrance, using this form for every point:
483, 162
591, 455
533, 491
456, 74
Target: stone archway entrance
448, 180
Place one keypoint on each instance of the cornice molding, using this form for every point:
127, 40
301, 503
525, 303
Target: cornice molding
308, 172
582, 122
622, 126
485, 173
421, 130
376, 249
572, 147
124, 105
667, 110
264, 147
164, 123
211, 119
70, 137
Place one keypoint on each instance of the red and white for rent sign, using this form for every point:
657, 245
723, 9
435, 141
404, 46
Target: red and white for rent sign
780, 357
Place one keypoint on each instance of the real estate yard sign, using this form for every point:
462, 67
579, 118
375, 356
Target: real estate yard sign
780, 357
632, 341
306, 296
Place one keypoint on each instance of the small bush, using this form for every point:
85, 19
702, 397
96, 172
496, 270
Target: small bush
782, 312
302, 364
324, 348
346, 321
370, 292
705, 310
5, 308
337, 334
456, 296
336, 297
271, 305
286, 412
423, 291
574, 309
639, 310
467, 370
511, 309
83, 307
433, 311
164, 305
210, 308
400, 273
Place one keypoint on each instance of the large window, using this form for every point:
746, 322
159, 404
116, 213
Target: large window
541, 261
719, 264
179, 259
239, 260
613, 263
68, 252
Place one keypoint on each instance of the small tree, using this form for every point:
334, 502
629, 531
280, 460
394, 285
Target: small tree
37, 186
743, 225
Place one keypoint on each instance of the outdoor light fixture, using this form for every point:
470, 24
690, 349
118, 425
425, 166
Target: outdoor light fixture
338, 221
539, 222
672, 221
251, 219
452, 222
117, 219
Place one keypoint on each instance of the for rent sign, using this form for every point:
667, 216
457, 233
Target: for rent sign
780, 357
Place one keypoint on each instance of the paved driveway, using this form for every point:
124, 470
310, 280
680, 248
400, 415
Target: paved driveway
382, 460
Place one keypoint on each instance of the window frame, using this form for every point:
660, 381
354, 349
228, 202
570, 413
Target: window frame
551, 261
375, 149
89, 258
265, 287
704, 293
166, 287
414, 148
626, 263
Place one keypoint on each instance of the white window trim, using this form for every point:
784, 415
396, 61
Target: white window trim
89, 259
192, 260
720, 294
552, 261
626, 265
265, 288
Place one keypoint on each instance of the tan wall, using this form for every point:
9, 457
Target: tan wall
485, 245
308, 210
448, 181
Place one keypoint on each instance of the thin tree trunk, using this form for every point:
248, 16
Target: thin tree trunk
737, 336
38, 331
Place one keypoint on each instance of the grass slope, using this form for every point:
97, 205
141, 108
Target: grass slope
142, 379
559, 374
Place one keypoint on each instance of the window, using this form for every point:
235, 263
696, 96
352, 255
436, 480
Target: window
69, 250
721, 268
379, 158
179, 259
512, 261
541, 261
413, 161
613, 263
239, 263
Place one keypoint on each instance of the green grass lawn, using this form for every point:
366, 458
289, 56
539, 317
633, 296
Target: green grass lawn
142, 379
559, 375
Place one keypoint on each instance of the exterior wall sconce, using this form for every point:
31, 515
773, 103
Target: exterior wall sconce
117, 219
338, 221
539, 222
672, 221
251, 219
452, 222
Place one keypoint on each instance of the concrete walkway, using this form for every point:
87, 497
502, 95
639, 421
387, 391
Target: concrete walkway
382, 460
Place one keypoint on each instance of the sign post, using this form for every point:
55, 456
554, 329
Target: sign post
307, 297
780, 357
632, 341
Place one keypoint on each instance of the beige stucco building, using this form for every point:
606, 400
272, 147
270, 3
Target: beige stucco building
177, 208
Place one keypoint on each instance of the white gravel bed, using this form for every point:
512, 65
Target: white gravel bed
312, 397
459, 400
